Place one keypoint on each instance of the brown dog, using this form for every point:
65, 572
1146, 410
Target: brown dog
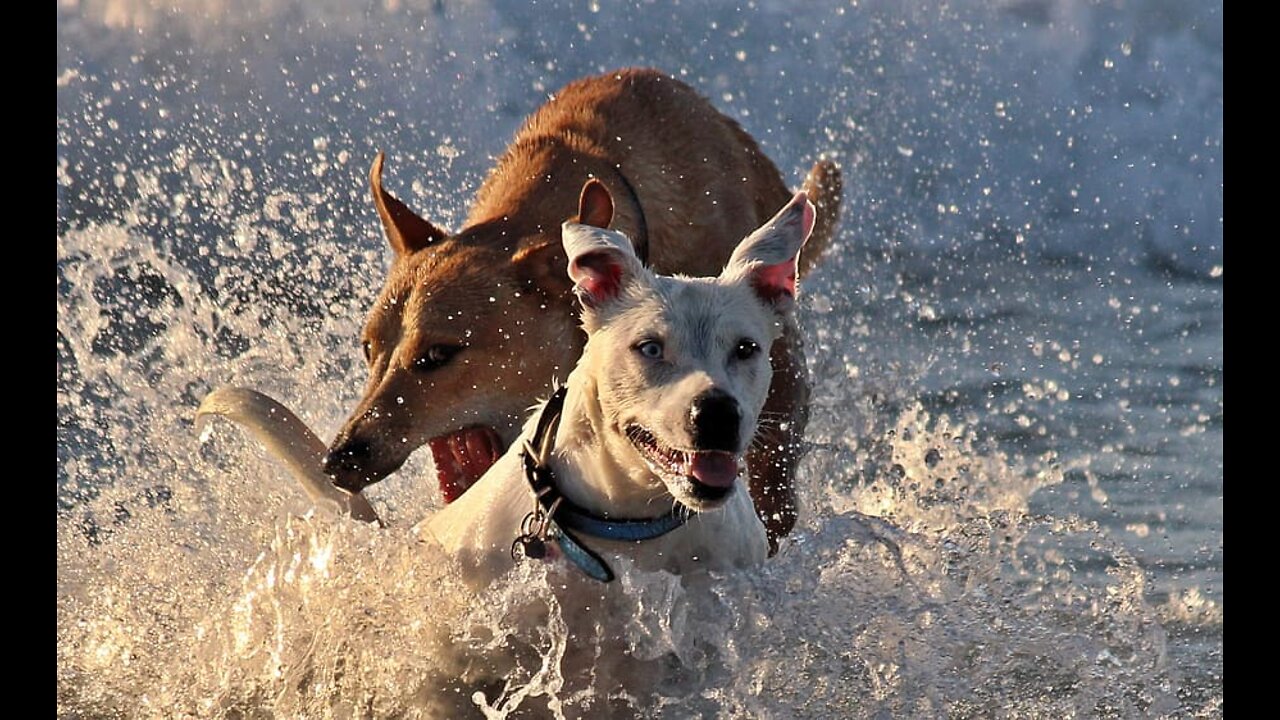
471, 328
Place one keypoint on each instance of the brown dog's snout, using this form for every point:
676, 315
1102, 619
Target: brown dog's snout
347, 462
714, 421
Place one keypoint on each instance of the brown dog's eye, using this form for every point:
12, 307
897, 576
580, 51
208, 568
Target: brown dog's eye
746, 349
436, 356
368, 351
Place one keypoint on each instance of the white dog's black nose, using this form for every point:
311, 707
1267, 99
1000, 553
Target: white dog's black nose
714, 420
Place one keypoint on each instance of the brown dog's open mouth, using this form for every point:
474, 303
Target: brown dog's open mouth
462, 456
710, 472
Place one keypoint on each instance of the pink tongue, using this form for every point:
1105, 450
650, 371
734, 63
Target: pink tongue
718, 469
462, 457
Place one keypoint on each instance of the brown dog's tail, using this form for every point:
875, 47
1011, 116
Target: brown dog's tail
825, 188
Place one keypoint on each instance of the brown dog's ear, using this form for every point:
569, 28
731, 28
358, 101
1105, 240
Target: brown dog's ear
595, 205
541, 265
406, 232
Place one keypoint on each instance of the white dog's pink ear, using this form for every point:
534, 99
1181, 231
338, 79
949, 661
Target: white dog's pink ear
767, 257
601, 262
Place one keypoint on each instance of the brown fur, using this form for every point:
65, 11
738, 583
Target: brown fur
498, 288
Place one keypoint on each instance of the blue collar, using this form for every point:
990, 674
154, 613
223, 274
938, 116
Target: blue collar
557, 518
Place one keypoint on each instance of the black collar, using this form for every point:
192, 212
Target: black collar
556, 517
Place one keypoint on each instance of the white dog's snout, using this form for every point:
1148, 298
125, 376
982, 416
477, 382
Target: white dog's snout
714, 421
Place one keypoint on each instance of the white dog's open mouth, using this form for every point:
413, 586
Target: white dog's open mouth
710, 473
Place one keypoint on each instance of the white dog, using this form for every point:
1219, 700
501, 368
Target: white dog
640, 454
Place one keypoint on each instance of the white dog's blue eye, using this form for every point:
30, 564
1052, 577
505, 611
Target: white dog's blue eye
651, 349
746, 349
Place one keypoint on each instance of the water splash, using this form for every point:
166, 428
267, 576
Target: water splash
1011, 159
201, 585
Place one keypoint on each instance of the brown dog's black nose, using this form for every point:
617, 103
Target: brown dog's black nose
348, 463
714, 419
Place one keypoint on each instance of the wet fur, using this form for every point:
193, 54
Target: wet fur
699, 322
497, 287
